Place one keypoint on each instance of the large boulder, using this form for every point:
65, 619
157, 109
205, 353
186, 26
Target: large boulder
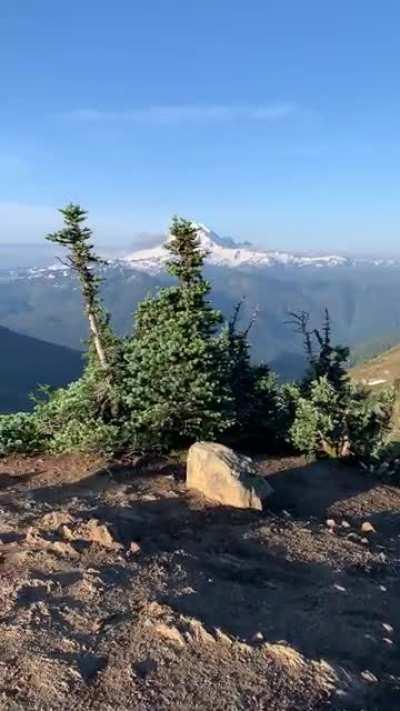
225, 476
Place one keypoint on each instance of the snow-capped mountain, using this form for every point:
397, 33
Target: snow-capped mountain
224, 252
221, 252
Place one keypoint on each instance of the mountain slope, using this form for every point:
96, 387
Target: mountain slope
382, 370
27, 362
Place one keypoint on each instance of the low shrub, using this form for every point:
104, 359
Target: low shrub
70, 419
19, 433
346, 422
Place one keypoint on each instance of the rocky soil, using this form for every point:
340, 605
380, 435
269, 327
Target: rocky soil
118, 589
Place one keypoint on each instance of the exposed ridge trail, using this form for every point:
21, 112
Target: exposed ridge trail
118, 589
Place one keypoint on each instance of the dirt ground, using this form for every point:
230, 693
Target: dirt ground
120, 590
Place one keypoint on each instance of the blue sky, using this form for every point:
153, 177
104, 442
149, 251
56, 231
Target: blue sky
277, 122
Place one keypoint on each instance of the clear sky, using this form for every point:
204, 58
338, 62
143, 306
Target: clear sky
274, 121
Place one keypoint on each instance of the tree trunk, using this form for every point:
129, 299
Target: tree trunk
97, 340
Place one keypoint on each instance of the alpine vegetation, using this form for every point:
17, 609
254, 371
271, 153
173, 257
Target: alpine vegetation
185, 373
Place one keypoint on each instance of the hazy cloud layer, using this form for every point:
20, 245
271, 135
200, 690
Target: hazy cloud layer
188, 114
29, 224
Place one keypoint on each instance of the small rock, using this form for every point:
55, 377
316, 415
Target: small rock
388, 628
331, 523
97, 532
387, 640
55, 519
170, 634
197, 633
243, 647
345, 524
367, 527
257, 637
222, 637
353, 536
134, 548
369, 676
64, 549
153, 609
340, 588
382, 588
33, 537
66, 533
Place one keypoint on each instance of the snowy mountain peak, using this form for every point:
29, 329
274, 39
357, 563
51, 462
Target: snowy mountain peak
225, 252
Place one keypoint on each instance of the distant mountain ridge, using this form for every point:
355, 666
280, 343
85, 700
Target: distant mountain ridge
225, 252
26, 363
361, 295
222, 252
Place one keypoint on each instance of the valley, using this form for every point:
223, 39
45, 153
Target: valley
360, 295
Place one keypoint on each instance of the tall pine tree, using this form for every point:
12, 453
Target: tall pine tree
175, 363
99, 387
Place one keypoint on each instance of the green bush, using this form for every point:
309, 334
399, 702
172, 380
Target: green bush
332, 416
370, 421
20, 434
333, 423
71, 419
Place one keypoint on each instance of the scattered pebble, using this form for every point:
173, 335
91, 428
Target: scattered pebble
331, 523
134, 548
382, 588
388, 628
345, 524
367, 527
387, 640
369, 676
340, 588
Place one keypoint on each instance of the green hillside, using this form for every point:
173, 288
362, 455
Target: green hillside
27, 362
383, 369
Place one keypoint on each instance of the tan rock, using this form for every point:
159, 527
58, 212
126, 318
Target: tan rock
285, 655
66, 533
54, 519
134, 548
224, 476
222, 637
171, 634
97, 532
367, 527
198, 633
64, 549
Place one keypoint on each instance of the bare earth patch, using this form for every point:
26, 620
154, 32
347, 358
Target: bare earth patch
118, 589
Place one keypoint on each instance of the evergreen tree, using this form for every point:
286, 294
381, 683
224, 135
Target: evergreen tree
175, 364
95, 398
324, 360
332, 416
83, 261
257, 397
